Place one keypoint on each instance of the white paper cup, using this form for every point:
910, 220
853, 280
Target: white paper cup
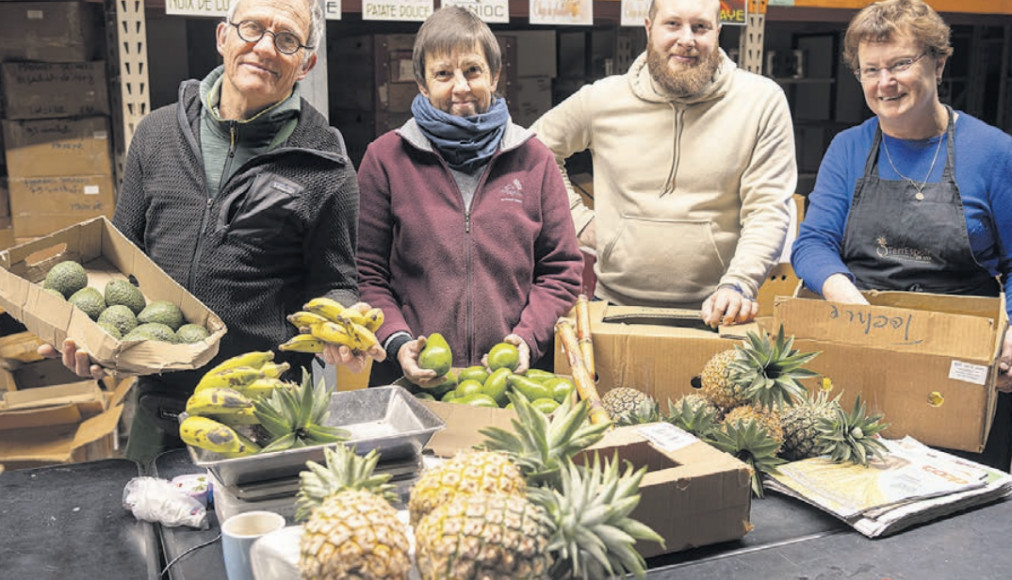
237, 536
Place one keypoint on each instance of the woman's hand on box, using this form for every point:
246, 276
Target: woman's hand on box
77, 360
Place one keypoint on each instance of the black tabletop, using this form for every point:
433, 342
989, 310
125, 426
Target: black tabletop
68, 521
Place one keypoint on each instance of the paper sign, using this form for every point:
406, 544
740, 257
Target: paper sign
487, 10
402, 10
734, 12
562, 12
969, 373
332, 9
634, 12
196, 7
666, 436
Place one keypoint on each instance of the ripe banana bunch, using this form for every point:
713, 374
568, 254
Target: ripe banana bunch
323, 320
206, 433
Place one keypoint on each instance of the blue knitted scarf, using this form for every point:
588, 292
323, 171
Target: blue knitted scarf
464, 142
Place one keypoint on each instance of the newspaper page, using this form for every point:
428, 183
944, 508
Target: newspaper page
911, 484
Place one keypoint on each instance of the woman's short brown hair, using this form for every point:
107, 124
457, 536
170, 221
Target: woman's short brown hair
452, 28
884, 21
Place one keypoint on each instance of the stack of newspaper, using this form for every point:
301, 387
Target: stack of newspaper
909, 485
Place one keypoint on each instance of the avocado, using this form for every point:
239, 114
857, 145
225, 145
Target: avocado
66, 277
89, 300
120, 316
111, 329
123, 292
190, 333
54, 292
152, 331
164, 312
436, 355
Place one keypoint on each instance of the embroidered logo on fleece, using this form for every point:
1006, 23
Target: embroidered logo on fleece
905, 254
512, 192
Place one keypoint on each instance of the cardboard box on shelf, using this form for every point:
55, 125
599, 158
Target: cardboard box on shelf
106, 254
927, 361
656, 350
57, 147
38, 90
5, 198
59, 423
533, 96
42, 205
51, 31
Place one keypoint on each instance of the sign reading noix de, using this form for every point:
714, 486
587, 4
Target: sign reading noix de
219, 8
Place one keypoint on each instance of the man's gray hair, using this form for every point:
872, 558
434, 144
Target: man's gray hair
317, 23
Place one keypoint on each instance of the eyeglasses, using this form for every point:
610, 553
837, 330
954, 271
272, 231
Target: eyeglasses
285, 42
871, 74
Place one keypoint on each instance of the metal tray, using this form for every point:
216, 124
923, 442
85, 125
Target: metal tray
388, 419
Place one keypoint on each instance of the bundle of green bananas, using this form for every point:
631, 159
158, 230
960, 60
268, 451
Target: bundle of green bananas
323, 320
223, 403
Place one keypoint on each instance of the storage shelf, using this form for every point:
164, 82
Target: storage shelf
803, 81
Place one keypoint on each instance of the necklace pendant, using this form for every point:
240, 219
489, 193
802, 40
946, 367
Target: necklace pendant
919, 196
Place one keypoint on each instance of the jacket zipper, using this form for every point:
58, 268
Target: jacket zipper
209, 203
669, 187
467, 275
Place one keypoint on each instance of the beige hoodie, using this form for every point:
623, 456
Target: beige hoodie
689, 193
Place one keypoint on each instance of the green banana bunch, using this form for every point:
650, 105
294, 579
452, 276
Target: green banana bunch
206, 433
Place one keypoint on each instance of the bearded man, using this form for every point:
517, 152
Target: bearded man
694, 165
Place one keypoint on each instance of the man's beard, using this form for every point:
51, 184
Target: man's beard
686, 82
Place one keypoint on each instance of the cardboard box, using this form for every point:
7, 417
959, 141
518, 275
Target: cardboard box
51, 31
656, 350
900, 350
18, 348
57, 147
533, 99
37, 90
42, 205
106, 254
5, 198
686, 480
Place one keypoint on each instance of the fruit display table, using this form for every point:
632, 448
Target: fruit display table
68, 521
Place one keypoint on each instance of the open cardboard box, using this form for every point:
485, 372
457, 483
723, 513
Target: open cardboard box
901, 351
692, 494
106, 254
655, 350
59, 423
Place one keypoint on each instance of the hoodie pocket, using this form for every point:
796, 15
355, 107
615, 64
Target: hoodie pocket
667, 259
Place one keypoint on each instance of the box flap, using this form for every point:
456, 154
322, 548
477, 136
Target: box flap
79, 393
65, 414
890, 328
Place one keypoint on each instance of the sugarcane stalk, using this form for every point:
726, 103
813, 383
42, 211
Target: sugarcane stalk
584, 334
584, 382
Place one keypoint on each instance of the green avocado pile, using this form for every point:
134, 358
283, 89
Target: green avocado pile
121, 310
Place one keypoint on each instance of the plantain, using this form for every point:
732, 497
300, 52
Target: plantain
332, 332
363, 338
302, 343
206, 433
254, 359
350, 316
274, 370
261, 388
242, 418
325, 307
373, 319
229, 378
303, 319
218, 401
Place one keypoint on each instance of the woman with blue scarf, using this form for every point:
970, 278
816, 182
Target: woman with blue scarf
464, 223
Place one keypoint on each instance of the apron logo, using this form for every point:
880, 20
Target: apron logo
908, 254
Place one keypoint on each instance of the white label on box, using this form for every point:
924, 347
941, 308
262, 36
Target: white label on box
666, 436
36, 15
100, 135
91, 190
406, 70
969, 373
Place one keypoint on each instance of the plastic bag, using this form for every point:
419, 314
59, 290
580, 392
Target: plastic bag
157, 500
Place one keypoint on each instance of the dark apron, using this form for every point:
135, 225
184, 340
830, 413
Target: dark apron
896, 239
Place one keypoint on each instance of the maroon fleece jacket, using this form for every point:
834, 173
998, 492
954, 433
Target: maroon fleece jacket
511, 264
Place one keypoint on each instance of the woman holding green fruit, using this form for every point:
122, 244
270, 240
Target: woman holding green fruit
465, 237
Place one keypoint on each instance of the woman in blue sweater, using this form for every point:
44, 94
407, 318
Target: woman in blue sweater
917, 198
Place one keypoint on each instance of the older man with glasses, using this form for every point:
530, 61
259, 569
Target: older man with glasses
244, 194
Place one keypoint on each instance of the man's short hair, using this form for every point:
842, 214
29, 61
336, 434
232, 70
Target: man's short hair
652, 11
451, 28
317, 24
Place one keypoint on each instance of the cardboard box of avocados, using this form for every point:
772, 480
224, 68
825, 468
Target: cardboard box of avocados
686, 480
927, 361
106, 254
655, 350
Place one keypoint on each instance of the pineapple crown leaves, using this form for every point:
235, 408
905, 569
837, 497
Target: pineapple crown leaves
645, 411
593, 530
852, 436
769, 370
345, 470
697, 418
751, 443
294, 417
538, 444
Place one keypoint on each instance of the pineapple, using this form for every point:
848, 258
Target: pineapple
467, 473
800, 425
581, 530
646, 411
623, 401
760, 370
750, 442
693, 413
295, 417
352, 531
768, 418
852, 436
539, 444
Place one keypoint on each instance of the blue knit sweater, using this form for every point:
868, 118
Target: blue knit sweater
983, 174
